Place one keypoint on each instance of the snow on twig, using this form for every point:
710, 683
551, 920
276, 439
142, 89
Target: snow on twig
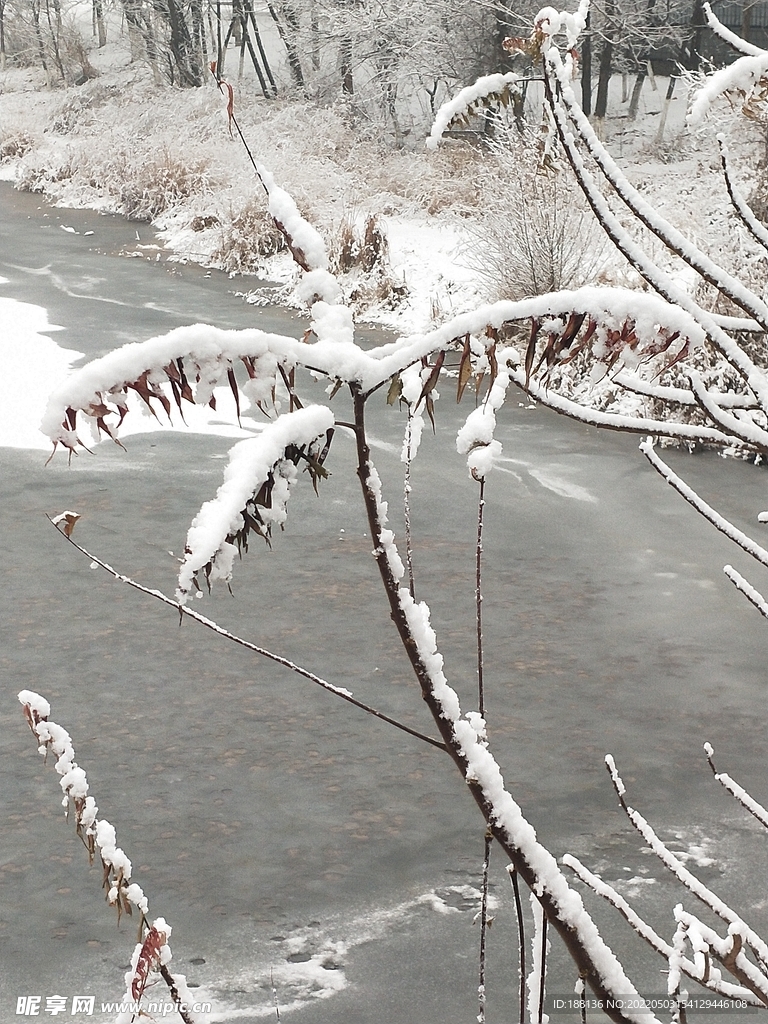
689, 880
719, 522
711, 979
632, 198
743, 586
688, 432
740, 205
729, 950
252, 463
682, 396
99, 836
475, 439
744, 798
737, 426
730, 37
536, 980
741, 76
466, 98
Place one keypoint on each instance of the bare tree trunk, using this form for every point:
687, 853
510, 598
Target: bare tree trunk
181, 46
746, 22
2, 34
294, 62
101, 27
314, 29
586, 69
345, 60
698, 24
39, 34
250, 14
606, 62
55, 37
634, 100
665, 109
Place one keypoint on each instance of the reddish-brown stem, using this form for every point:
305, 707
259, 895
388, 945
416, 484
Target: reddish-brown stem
574, 941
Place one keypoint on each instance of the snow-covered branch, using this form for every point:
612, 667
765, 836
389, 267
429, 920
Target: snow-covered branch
718, 521
739, 44
737, 791
257, 485
742, 77
740, 205
744, 587
469, 748
757, 981
99, 837
699, 972
498, 87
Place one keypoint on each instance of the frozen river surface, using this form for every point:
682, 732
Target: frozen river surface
278, 830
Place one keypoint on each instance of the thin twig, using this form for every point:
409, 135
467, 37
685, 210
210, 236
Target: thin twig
755, 809
274, 995
520, 940
689, 880
479, 598
744, 587
488, 841
543, 973
338, 691
719, 522
407, 504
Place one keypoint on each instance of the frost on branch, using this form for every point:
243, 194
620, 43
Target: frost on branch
255, 492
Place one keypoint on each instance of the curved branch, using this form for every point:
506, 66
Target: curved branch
754, 377
755, 809
719, 522
687, 432
338, 691
674, 239
740, 205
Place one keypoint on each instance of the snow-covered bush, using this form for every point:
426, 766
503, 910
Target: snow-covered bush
247, 237
535, 233
14, 143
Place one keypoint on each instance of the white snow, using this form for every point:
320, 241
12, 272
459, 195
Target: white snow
452, 108
33, 364
250, 463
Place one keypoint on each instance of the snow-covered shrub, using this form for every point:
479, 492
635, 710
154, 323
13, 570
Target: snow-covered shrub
145, 188
14, 143
247, 237
535, 234
358, 245
41, 173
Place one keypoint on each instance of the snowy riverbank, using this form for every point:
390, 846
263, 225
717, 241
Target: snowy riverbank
120, 143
